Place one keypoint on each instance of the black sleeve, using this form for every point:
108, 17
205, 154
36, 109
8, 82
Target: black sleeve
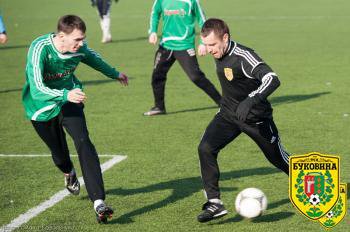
254, 67
269, 81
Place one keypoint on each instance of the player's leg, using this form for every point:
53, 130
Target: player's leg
51, 132
73, 119
217, 135
163, 60
265, 135
104, 7
189, 63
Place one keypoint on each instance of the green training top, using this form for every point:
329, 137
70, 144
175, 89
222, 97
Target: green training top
50, 76
178, 22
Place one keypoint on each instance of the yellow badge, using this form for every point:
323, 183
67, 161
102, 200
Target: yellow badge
314, 183
228, 73
338, 212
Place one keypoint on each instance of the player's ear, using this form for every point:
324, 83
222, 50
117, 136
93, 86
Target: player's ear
60, 34
225, 38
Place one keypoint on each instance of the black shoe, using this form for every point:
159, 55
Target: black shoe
103, 213
211, 211
154, 111
72, 183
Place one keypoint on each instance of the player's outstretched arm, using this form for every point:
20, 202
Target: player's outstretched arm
123, 79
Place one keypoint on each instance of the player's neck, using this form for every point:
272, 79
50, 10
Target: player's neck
57, 42
227, 47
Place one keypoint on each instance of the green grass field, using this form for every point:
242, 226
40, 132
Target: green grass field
158, 187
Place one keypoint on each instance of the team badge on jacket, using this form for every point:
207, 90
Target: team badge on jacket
314, 183
338, 212
228, 73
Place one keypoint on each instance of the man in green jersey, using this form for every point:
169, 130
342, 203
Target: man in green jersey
177, 43
53, 98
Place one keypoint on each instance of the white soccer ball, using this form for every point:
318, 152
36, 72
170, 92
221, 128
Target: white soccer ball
251, 203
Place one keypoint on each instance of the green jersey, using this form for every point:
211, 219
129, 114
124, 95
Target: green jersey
179, 18
50, 76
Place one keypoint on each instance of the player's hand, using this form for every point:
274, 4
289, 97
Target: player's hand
152, 39
244, 108
202, 50
3, 38
123, 79
76, 96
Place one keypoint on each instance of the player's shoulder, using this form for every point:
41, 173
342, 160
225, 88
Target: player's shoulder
41, 41
247, 54
242, 48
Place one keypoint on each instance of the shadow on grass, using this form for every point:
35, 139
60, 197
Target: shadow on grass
275, 101
273, 217
14, 47
193, 110
114, 41
130, 40
85, 83
181, 188
295, 98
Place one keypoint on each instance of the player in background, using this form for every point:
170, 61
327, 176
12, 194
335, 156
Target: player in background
3, 35
53, 99
177, 43
104, 9
246, 82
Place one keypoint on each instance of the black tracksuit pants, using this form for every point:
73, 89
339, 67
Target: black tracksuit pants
164, 59
72, 118
221, 132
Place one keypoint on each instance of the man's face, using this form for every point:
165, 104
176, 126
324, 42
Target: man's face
215, 45
73, 41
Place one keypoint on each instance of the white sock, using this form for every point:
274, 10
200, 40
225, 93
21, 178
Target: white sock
216, 201
97, 203
105, 25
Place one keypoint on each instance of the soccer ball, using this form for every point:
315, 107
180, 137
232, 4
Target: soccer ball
251, 202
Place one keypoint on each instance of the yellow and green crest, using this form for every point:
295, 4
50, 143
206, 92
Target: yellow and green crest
314, 183
338, 212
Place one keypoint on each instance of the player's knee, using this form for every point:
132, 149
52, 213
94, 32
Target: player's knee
196, 77
204, 149
82, 140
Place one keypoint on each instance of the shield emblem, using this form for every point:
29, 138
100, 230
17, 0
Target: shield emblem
338, 212
314, 183
228, 73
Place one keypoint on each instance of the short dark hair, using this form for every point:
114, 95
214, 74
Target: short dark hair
68, 23
218, 26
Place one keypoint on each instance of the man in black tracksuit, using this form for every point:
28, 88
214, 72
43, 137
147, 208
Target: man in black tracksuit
246, 83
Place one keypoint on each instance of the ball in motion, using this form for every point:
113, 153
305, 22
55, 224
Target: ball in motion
251, 203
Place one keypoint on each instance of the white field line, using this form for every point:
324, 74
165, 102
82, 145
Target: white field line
59, 196
43, 155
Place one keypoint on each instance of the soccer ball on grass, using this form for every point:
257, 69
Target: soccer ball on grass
251, 203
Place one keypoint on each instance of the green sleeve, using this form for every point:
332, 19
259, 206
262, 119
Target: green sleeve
199, 13
155, 16
34, 72
94, 60
200, 16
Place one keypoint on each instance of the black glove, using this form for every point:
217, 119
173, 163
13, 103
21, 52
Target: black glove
245, 106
